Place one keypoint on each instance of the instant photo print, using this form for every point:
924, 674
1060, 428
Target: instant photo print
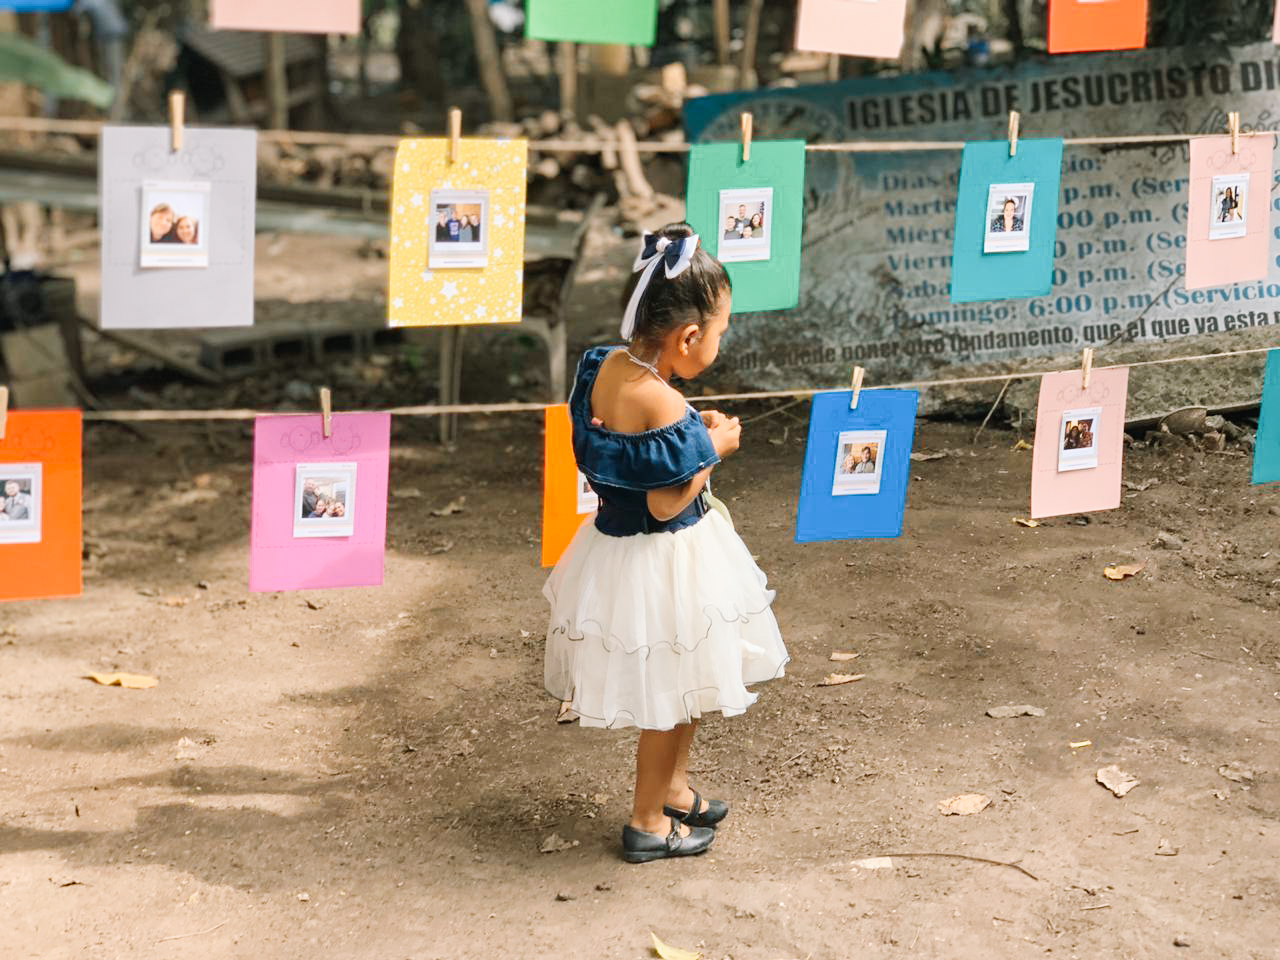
588, 499
21, 494
859, 460
325, 500
1078, 439
175, 224
459, 229
744, 224
1008, 227
1229, 208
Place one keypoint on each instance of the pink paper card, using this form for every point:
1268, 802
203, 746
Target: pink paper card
1079, 450
856, 28
1275, 28
286, 16
1228, 211
319, 505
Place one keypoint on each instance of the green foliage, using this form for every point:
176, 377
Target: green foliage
22, 61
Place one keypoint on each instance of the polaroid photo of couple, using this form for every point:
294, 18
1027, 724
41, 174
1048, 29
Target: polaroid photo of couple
175, 224
20, 502
746, 224
1008, 228
324, 500
1229, 209
458, 234
1078, 439
859, 460
588, 500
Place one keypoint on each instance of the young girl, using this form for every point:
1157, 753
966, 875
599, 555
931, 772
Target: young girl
658, 612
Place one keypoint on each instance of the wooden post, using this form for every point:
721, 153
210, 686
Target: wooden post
490, 60
277, 82
721, 12
567, 57
747, 66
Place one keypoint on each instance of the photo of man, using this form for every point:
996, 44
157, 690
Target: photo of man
324, 501
20, 502
459, 235
1008, 224
745, 215
1078, 439
858, 462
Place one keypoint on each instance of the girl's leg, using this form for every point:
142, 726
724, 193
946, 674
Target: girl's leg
679, 795
656, 755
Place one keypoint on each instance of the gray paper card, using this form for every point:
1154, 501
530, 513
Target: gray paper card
177, 227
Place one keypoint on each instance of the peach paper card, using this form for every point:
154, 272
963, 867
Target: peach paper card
40, 490
567, 499
1229, 215
1275, 27
1081, 26
855, 28
286, 16
1078, 459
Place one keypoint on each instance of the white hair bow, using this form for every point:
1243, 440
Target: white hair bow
673, 255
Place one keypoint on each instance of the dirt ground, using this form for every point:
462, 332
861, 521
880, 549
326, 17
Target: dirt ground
372, 773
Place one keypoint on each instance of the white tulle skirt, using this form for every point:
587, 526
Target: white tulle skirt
655, 630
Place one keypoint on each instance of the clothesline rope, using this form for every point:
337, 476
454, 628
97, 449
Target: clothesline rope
311, 137
431, 410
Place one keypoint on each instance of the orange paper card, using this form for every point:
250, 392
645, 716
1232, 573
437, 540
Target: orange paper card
40, 502
566, 498
1079, 26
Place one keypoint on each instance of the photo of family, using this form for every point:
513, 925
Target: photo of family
1008, 227
1078, 441
744, 224
175, 224
325, 500
859, 458
20, 502
459, 229
588, 500
1228, 212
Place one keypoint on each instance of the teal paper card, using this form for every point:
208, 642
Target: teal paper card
633, 22
1006, 220
750, 216
1266, 452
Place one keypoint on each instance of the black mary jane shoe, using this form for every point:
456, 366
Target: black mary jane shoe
641, 847
695, 816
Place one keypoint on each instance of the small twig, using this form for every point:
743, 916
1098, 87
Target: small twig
983, 425
183, 936
965, 856
1210, 657
1097, 906
791, 760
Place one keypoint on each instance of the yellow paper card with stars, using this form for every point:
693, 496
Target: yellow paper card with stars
457, 233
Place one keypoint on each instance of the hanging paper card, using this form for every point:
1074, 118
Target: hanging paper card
1079, 447
319, 505
286, 16
1079, 26
1266, 451
856, 466
750, 216
177, 227
1229, 215
1006, 220
1275, 27
633, 22
40, 505
457, 233
856, 28
567, 497
33, 6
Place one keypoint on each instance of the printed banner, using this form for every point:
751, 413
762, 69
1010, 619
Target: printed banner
40, 505
1229, 215
319, 505
1078, 458
856, 465
633, 22
855, 28
177, 228
1006, 226
751, 217
1266, 451
457, 233
286, 16
567, 497
1079, 26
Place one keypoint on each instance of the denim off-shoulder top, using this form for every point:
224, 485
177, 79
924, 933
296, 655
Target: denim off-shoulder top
623, 467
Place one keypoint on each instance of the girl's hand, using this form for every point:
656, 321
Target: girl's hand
726, 433
711, 417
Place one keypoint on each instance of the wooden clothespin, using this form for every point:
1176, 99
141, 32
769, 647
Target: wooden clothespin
455, 133
326, 411
1233, 127
177, 118
4, 409
1014, 121
1086, 368
858, 375
747, 123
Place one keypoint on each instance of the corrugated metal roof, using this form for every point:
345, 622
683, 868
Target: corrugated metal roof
243, 54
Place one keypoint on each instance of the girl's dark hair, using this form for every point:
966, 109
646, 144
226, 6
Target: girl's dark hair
689, 298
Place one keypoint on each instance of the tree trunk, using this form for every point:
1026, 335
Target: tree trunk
490, 60
721, 12
747, 79
277, 83
926, 19
567, 63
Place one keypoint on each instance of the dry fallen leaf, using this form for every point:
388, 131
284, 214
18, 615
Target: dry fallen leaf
672, 953
874, 863
1024, 522
133, 681
1021, 445
557, 844
1116, 780
1119, 571
452, 507
1015, 710
838, 655
835, 679
964, 804
926, 457
176, 601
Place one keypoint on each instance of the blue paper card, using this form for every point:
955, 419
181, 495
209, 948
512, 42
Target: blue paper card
32, 6
1266, 451
1006, 220
857, 464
